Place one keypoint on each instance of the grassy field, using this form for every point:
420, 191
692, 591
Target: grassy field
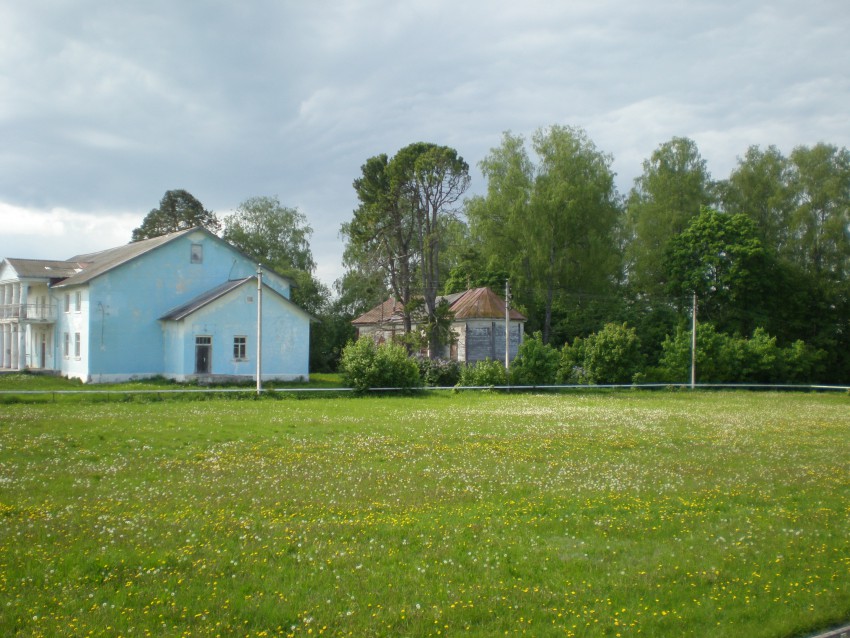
50, 383
609, 514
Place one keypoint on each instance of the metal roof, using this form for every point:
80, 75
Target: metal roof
206, 298
100, 262
477, 303
482, 303
388, 312
43, 268
183, 311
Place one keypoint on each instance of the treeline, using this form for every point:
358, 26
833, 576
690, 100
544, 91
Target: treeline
763, 255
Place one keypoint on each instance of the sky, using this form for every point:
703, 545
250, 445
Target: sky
104, 106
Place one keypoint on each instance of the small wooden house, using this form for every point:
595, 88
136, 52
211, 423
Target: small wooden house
478, 326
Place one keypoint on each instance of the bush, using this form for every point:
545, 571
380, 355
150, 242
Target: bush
723, 358
439, 372
536, 362
483, 373
571, 366
612, 355
366, 365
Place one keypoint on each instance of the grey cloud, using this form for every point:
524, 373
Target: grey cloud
104, 106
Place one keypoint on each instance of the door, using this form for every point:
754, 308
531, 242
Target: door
203, 354
43, 358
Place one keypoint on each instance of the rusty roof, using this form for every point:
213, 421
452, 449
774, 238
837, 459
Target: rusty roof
482, 303
388, 312
477, 303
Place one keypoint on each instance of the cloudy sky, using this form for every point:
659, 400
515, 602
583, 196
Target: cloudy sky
106, 105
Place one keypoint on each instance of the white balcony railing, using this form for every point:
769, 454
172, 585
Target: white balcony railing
28, 312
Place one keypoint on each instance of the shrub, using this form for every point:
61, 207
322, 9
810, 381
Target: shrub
801, 363
486, 373
571, 366
439, 372
536, 362
366, 365
612, 355
723, 358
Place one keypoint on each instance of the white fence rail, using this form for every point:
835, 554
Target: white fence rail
502, 388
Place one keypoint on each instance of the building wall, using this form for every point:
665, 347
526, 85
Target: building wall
72, 321
286, 337
485, 338
127, 302
477, 339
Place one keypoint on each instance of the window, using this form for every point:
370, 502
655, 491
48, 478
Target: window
67, 348
197, 254
240, 348
78, 301
77, 345
67, 302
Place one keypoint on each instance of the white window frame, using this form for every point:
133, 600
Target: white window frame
78, 301
196, 254
67, 345
240, 348
78, 342
67, 302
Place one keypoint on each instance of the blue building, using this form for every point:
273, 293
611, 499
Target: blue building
183, 306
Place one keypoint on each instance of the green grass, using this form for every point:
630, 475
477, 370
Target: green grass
25, 383
595, 514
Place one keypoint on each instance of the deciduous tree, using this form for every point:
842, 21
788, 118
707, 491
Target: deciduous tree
719, 258
553, 224
674, 185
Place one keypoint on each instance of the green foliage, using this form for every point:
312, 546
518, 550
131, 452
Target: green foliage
718, 257
536, 362
760, 189
724, 358
365, 365
441, 373
472, 271
437, 328
483, 373
328, 337
406, 210
274, 235
178, 210
674, 184
553, 225
820, 180
612, 355
571, 363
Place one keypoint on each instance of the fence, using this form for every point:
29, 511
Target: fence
118, 392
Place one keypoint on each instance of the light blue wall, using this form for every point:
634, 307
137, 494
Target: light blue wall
286, 336
130, 339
